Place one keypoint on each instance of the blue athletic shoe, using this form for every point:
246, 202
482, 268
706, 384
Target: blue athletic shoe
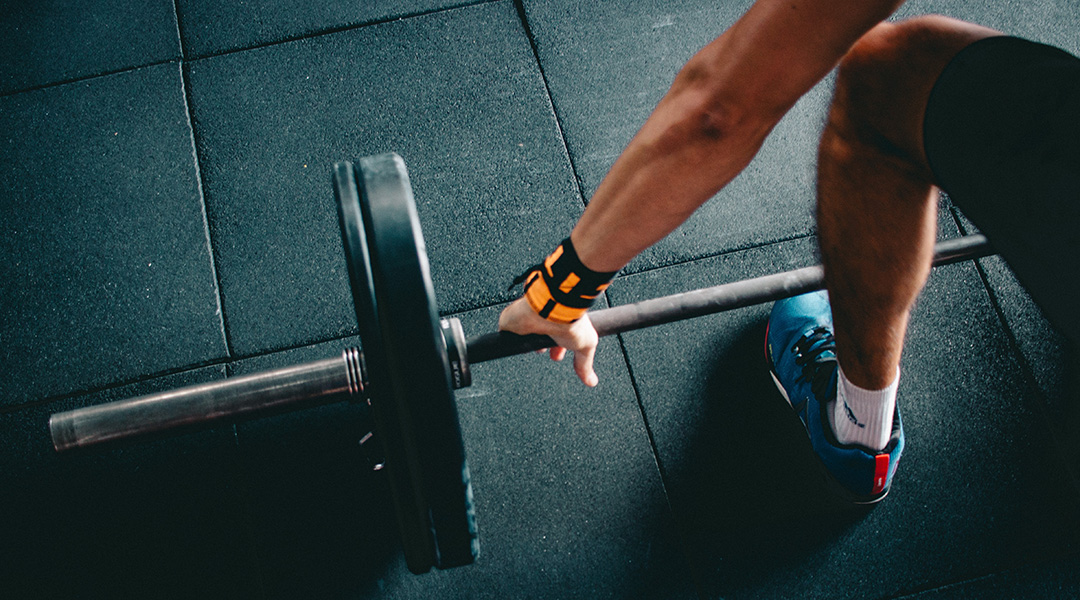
801, 353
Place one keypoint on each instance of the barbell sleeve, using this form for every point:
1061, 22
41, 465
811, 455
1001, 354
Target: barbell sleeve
249, 396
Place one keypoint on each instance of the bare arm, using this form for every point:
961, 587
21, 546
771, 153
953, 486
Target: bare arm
713, 120
706, 129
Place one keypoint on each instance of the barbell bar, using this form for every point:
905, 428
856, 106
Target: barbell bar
705, 301
410, 363
332, 380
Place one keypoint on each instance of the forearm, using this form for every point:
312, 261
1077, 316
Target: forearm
682, 157
713, 120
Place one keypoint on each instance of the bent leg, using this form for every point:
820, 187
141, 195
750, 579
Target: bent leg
877, 203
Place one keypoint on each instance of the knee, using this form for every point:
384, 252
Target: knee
893, 52
884, 80
909, 55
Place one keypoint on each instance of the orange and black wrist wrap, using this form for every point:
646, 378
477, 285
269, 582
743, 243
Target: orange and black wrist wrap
561, 289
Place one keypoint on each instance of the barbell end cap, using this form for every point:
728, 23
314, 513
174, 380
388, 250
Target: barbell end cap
62, 431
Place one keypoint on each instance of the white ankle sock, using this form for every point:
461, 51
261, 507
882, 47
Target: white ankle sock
863, 417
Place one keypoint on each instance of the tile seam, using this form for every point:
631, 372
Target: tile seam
519, 5
658, 463
240, 507
225, 362
678, 263
1040, 403
223, 320
914, 593
83, 78
931, 587
710, 256
182, 58
342, 28
185, 85
87, 391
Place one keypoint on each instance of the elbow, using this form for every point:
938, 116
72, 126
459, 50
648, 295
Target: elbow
713, 121
714, 113
732, 93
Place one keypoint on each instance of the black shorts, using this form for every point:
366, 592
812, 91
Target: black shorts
1002, 135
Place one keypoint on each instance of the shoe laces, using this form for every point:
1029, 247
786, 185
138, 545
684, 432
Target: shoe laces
810, 354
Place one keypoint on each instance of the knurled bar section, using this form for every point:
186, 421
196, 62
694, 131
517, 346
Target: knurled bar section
354, 368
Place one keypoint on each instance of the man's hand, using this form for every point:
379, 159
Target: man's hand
578, 337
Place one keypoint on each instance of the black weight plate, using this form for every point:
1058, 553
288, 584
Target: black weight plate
414, 375
354, 237
418, 372
409, 504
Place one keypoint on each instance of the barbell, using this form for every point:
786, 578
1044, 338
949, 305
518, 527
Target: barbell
410, 362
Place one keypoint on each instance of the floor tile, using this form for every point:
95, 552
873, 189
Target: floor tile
107, 274
216, 27
608, 65
49, 42
456, 93
683, 473
977, 490
1047, 357
1054, 22
140, 519
1046, 352
568, 497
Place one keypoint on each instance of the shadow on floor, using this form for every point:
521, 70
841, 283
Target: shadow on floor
753, 493
322, 520
293, 511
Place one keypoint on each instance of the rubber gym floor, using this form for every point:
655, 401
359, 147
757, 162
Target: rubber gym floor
168, 219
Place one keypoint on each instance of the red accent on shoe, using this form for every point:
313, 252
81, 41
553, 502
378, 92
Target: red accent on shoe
881, 472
